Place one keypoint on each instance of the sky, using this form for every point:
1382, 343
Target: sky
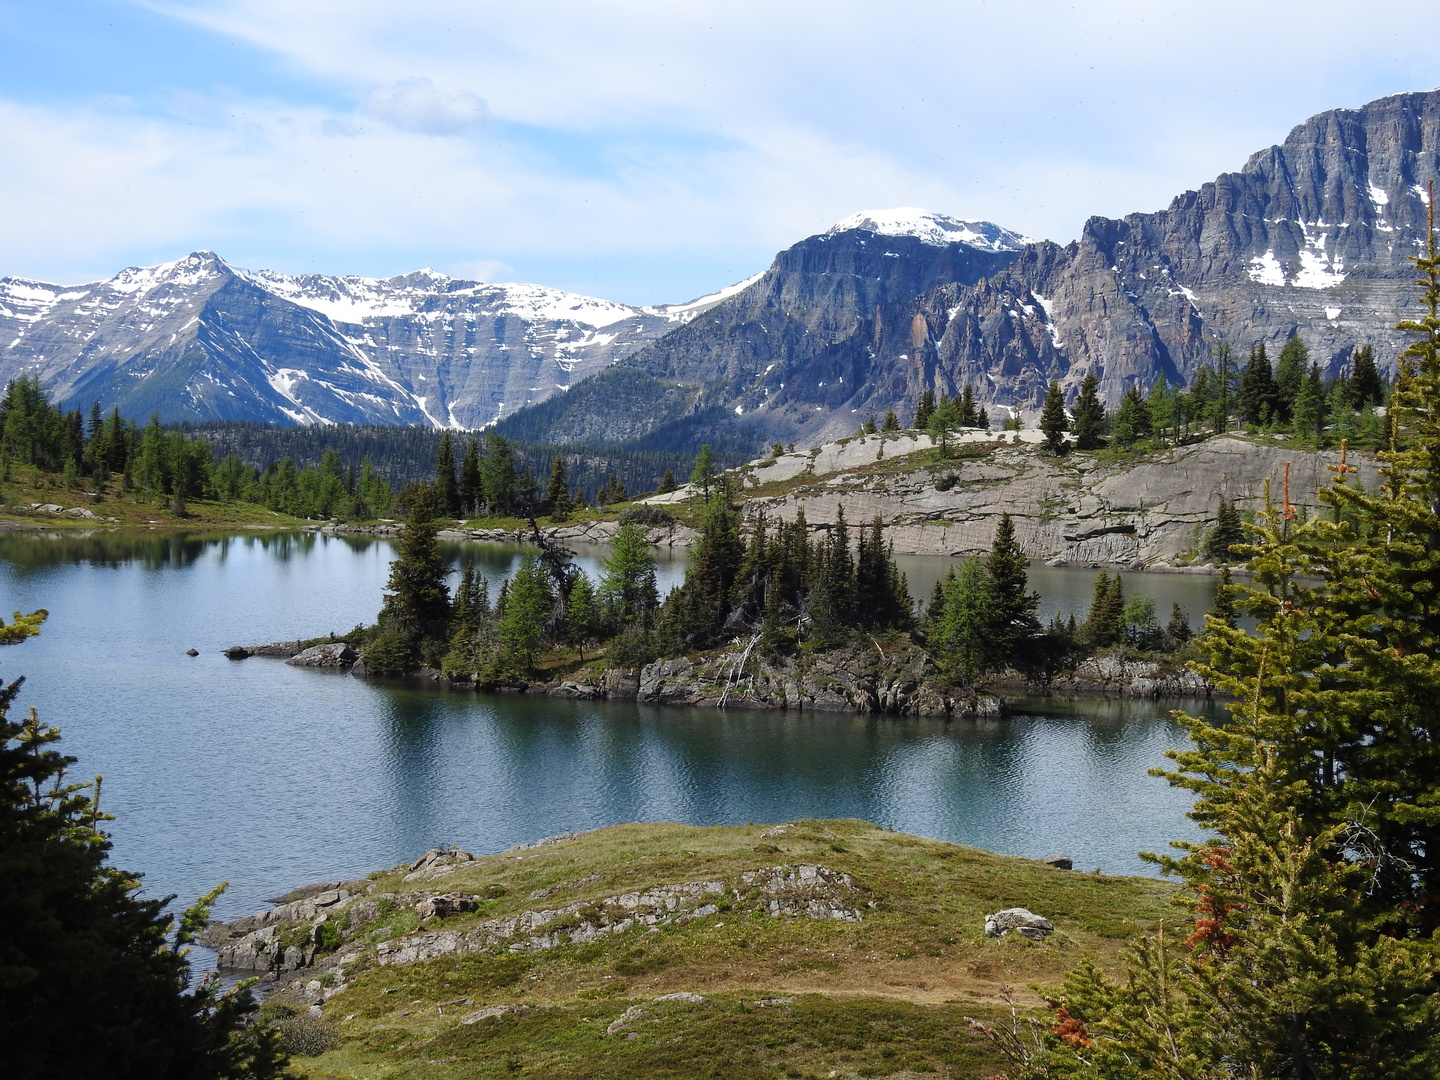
639, 151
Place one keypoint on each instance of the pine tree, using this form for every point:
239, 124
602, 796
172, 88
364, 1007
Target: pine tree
1053, 421
1258, 400
892, 422
1223, 609
471, 487
966, 415
667, 483
1104, 622
1132, 420
94, 979
1309, 409
497, 473
1161, 407
414, 619
1010, 607
704, 471
924, 411
447, 491
1229, 530
1222, 401
1366, 386
557, 491
869, 427
627, 583
957, 630
1290, 375
1089, 423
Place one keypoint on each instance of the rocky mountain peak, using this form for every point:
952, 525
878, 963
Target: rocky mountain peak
931, 228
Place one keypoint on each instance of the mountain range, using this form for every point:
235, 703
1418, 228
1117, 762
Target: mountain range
1311, 237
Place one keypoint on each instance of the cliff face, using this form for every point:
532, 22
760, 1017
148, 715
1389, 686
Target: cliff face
1311, 237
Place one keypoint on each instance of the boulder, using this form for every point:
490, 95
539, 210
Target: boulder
440, 907
1024, 922
1060, 862
335, 654
192, 652
437, 862
237, 652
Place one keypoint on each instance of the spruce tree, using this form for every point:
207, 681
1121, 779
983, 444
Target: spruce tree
627, 583
471, 488
1258, 400
1010, 606
957, 632
1366, 386
94, 979
557, 491
892, 422
497, 473
1053, 421
704, 471
1290, 375
667, 483
414, 619
1132, 420
447, 490
1229, 530
924, 410
521, 629
1309, 409
1089, 423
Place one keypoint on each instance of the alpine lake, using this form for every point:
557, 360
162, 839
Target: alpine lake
269, 776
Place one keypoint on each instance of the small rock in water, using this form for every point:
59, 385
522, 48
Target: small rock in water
1060, 862
1024, 922
192, 652
237, 652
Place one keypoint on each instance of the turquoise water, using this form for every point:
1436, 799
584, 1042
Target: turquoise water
269, 776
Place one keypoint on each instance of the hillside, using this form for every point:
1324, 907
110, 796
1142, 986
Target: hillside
815, 948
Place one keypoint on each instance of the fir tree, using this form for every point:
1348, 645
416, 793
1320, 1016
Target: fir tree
1365, 386
1223, 609
892, 422
704, 471
1053, 421
414, 619
497, 473
1104, 623
1132, 420
1010, 607
1290, 374
869, 427
957, 630
1162, 407
521, 629
1229, 530
557, 491
667, 483
447, 491
1258, 400
1089, 423
94, 979
1309, 409
924, 410
627, 583
471, 487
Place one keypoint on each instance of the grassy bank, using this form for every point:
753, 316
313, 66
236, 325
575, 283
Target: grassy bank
787, 996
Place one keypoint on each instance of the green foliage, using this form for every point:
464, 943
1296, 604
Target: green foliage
627, 582
1105, 623
557, 491
1290, 374
704, 471
892, 422
1131, 422
1053, 421
22, 627
1309, 409
415, 616
1089, 423
1364, 386
94, 980
522, 626
447, 486
1259, 399
924, 410
1229, 532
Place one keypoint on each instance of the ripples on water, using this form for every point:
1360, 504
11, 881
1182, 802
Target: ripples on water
270, 777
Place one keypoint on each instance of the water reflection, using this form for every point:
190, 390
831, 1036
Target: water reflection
269, 776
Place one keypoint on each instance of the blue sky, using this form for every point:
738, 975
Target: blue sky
639, 151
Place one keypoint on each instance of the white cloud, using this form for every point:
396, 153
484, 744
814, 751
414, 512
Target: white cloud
416, 104
657, 143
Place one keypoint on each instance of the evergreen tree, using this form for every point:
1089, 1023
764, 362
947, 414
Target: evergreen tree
704, 471
1053, 421
966, 414
1010, 608
1162, 407
1104, 623
924, 411
94, 980
497, 472
627, 583
1258, 400
1290, 375
1089, 423
1223, 610
1229, 530
1132, 420
471, 487
667, 483
957, 631
1222, 400
1309, 409
1366, 386
869, 427
414, 619
1340, 412
447, 490
892, 422
581, 613
557, 491
527, 607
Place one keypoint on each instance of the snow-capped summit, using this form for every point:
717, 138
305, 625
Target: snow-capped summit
932, 228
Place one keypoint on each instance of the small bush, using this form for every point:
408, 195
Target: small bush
946, 482
307, 1036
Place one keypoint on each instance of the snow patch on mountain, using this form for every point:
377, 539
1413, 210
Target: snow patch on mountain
932, 228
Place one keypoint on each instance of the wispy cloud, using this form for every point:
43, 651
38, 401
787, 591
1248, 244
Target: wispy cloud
652, 151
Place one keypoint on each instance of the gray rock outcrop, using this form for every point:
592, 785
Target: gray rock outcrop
336, 654
1024, 922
